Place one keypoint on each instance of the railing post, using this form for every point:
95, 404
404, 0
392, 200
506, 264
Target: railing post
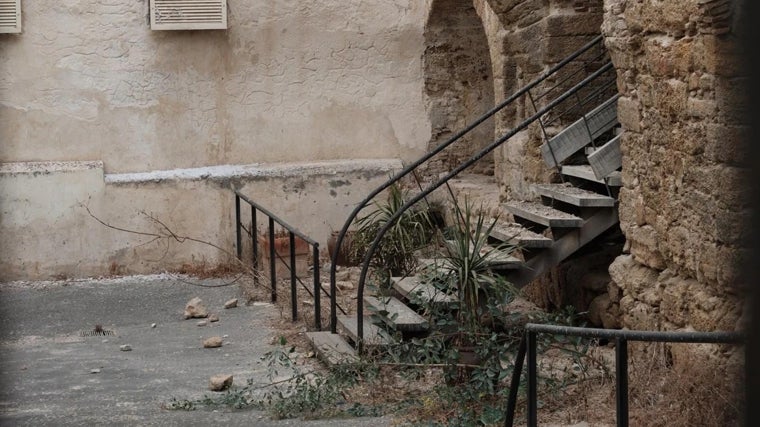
509, 416
272, 266
238, 235
532, 380
317, 288
293, 296
255, 245
621, 380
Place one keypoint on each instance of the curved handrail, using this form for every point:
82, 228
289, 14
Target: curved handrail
407, 170
477, 156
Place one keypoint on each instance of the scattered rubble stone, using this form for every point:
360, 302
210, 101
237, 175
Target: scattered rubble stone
152, 325
220, 382
213, 317
212, 342
344, 285
195, 308
231, 303
95, 371
201, 323
125, 347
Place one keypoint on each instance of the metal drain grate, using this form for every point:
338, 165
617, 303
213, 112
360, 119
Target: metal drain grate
96, 332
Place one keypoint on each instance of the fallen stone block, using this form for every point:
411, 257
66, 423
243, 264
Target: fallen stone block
195, 309
220, 382
212, 342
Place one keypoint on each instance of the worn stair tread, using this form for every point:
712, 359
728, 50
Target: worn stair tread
544, 215
576, 136
607, 159
331, 348
496, 258
585, 172
373, 334
574, 195
515, 234
396, 314
414, 290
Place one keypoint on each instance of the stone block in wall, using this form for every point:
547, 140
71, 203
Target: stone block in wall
670, 97
526, 40
701, 108
727, 144
629, 114
638, 315
666, 57
635, 279
526, 12
732, 100
573, 24
720, 55
644, 246
558, 47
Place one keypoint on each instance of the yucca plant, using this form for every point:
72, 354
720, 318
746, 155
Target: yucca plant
468, 260
410, 232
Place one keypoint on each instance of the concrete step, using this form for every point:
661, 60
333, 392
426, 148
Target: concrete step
607, 159
543, 215
374, 335
396, 314
332, 349
576, 136
517, 235
585, 172
496, 258
574, 195
418, 292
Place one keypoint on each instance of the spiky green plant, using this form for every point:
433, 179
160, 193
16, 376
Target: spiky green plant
468, 262
410, 232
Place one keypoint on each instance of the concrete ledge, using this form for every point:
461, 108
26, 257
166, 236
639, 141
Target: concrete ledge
258, 170
47, 167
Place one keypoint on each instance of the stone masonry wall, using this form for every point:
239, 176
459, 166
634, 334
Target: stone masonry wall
684, 201
536, 34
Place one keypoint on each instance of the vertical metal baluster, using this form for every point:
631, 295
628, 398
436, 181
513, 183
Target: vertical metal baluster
293, 296
532, 383
317, 288
239, 237
272, 266
621, 380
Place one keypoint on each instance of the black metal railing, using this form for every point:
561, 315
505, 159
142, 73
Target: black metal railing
545, 104
621, 337
274, 255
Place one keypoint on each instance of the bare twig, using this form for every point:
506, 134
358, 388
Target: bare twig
166, 234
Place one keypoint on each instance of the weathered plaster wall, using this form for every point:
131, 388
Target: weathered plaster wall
290, 86
48, 233
684, 202
288, 81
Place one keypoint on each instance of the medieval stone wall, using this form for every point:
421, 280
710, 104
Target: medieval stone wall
684, 201
536, 34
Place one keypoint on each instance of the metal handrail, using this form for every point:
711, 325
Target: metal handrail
477, 156
621, 336
413, 166
292, 234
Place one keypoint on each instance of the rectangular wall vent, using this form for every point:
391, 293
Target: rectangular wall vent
10, 16
188, 14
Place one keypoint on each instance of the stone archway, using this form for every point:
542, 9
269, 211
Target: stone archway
458, 81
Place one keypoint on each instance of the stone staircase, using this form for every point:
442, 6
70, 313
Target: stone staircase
565, 217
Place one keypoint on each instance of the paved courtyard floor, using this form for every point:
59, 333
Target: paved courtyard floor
56, 372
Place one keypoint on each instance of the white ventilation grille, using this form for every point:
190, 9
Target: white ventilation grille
188, 14
10, 16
